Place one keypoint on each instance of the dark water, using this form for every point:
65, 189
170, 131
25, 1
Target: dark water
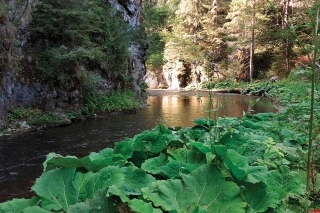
21, 157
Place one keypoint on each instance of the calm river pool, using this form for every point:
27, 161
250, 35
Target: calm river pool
22, 157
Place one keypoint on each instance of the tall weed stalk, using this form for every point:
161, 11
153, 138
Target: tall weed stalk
211, 126
312, 102
212, 140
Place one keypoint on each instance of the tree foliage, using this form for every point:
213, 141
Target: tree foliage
155, 21
74, 33
212, 31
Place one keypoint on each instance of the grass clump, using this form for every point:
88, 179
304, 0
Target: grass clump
26, 119
117, 101
34, 117
93, 104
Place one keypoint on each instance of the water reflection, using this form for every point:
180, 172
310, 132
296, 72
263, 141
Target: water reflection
21, 157
181, 110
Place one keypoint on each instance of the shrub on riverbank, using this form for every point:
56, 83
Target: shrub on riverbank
117, 101
25, 119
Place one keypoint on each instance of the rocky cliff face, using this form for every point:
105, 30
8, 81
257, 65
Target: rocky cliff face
193, 50
14, 89
21, 85
130, 10
178, 74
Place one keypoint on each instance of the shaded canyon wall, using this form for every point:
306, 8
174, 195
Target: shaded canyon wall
21, 85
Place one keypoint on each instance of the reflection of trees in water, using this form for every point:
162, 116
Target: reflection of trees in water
228, 106
181, 110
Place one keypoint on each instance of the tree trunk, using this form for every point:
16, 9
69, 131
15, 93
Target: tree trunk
285, 13
252, 39
285, 26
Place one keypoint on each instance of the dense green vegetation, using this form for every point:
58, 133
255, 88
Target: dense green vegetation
80, 43
33, 117
69, 35
155, 21
76, 45
251, 164
267, 162
267, 36
117, 101
256, 163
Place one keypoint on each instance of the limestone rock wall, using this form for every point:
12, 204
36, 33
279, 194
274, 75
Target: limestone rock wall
131, 12
14, 89
178, 74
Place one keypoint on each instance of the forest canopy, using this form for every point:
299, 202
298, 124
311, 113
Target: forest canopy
269, 37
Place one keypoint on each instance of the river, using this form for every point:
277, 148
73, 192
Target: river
22, 156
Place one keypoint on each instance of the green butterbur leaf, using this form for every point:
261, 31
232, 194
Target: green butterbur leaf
212, 191
100, 203
286, 183
174, 169
80, 181
239, 166
79, 208
169, 195
256, 174
125, 148
205, 186
153, 165
36, 209
194, 208
204, 122
210, 157
162, 129
104, 178
54, 160
189, 135
121, 182
93, 162
290, 136
140, 206
200, 146
97, 161
234, 161
17, 205
191, 156
105, 153
204, 149
56, 188
152, 141
113, 190
252, 125
135, 179
260, 198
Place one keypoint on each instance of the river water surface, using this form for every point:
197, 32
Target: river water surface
22, 157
